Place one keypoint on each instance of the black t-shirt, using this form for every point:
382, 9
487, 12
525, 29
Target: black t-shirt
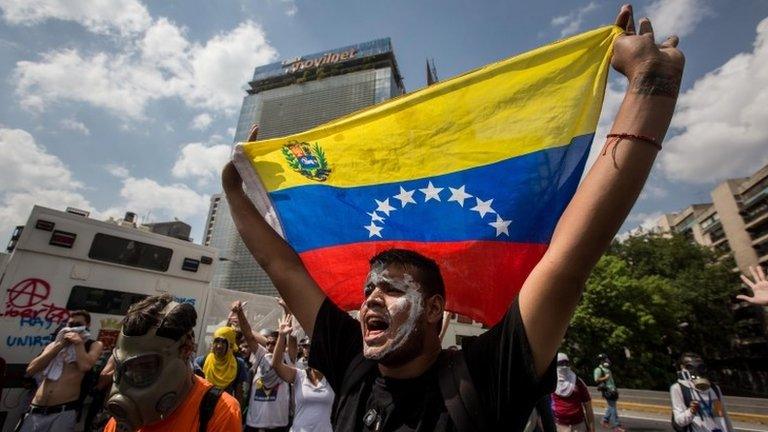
500, 364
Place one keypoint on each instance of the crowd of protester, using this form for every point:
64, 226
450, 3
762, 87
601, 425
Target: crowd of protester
386, 370
262, 381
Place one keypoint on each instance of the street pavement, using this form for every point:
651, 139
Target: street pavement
649, 422
651, 397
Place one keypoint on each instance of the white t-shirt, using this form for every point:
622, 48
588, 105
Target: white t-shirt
269, 401
313, 404
711, 415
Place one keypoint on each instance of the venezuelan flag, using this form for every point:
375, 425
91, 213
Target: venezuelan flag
473, 172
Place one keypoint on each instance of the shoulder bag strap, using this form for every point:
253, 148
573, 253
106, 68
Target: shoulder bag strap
208, 406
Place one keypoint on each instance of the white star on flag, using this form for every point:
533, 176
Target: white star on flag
405, 196
501, 225
431, 192
483, 207
459, 195
374, 230
375, 217
384, 207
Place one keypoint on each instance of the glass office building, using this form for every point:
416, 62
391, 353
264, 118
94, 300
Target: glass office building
288, 97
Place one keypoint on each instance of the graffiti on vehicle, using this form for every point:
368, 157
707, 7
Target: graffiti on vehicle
27, 300
27, 341
37, 322
182, 300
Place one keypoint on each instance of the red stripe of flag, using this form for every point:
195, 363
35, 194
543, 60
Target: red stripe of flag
481, 277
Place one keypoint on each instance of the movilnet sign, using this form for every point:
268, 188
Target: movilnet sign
328, 57
300, 64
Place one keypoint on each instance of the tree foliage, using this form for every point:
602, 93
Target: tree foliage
653, 297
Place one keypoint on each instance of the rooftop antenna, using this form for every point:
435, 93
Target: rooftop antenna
431, 72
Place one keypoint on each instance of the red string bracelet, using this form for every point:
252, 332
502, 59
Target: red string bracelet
621, 136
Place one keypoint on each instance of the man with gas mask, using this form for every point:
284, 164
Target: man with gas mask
154, 386
697, 403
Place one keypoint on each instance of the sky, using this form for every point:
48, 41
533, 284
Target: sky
124, 105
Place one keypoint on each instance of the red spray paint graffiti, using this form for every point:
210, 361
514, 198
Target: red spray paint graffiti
26, 300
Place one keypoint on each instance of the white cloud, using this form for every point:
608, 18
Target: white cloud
202, 162
74, 125
651, 190
678, 17
29, 175
145, 196
645, 222
722, 120
118, 171
571, 22
102, 16
201, 121
156, 64
290, 7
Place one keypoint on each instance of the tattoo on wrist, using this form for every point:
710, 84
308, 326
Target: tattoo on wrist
656, 84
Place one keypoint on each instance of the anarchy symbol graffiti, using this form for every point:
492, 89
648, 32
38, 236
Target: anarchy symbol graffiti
28, 293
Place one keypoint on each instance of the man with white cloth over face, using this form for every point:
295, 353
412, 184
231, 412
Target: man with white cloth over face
571, 403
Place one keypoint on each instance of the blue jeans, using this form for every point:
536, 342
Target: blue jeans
611, 415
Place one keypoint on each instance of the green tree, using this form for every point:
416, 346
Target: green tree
653, 297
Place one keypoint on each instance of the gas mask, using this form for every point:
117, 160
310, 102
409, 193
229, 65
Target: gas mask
151, 379
695, 372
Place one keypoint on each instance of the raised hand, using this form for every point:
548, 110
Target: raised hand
237, 306
651, 69
286, 325
74, 338
282, 304
759, 287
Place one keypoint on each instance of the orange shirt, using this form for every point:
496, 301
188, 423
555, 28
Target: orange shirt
226, 417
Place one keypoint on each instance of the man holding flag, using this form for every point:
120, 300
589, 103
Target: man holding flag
388, 370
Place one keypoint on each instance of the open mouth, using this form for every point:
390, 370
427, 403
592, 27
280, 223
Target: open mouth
375, 328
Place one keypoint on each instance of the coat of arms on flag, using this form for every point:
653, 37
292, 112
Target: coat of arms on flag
308, 161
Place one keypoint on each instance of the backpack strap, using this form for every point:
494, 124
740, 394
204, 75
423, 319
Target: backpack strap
208, 406
687, 396
716, 388
459, 394
356, 371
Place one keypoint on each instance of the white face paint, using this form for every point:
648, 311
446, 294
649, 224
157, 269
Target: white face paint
411, 300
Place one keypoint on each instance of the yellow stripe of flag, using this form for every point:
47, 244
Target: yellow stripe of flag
533, 101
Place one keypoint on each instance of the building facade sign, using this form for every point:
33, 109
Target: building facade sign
300, 64
337, 56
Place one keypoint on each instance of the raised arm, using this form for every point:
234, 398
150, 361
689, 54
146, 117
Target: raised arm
550, 294
84, 359
274, 255
293, 345
252, 339
49, 352
759, 287
284, 371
